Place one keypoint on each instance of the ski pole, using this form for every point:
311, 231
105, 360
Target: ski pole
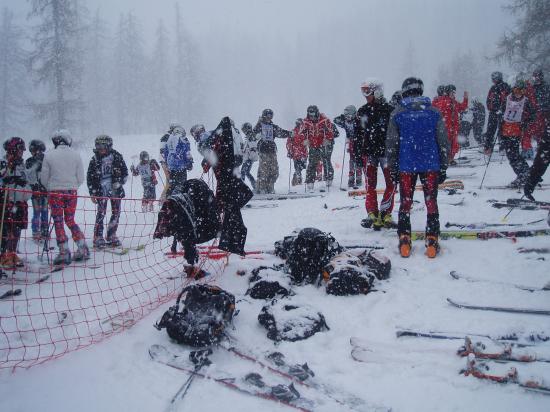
200, 359
343, 163
289, 172
488, 163
510, 211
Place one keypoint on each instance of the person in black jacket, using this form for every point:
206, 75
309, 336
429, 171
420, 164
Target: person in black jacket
496, 103
373, 125
350, 123
39, 197
478, 121
107, 173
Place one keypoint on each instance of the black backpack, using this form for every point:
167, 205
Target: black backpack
205, 313
268, 283
346, 275
310, 252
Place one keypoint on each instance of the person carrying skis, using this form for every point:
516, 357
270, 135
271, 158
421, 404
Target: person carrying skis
178, 159
146, 169
371, 145
542, 158
62, 174
349, 122
416, 147
107, 174
39, 199
297, 151
478, 120
317, 130
14, 201
250, 153
496, 103
268, 168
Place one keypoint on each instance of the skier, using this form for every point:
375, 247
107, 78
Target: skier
496, 103
62, 174
14, 203
416, 147
450, 110
250, 153
163, 149
317, 131
350, 123
177, 158
39, 200
370, 145
146, 169
107, 173
518, 113
297, 151
478, 120
268, 168
542, 158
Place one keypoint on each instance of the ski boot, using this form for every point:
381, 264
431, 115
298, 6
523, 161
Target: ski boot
370, 221
295, 180
99, 242
82, 253
432, 246
405, 245
64, 256
386, 221
113, 241
351, 183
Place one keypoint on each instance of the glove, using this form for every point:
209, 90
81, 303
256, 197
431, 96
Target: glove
442, 176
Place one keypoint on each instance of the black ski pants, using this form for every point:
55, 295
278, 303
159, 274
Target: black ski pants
517, 161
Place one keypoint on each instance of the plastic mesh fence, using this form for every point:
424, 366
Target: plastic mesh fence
56, 310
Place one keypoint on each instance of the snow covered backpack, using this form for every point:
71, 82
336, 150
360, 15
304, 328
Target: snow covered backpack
205, 313
268, 283
346, 275
310, 252
291, 322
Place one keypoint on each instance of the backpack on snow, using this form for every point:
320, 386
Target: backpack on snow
206, 311
268, 283
310, 251
346, 275
291, 322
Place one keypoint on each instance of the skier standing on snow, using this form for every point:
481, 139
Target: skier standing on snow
478, 121
542, 159
496, 103
371, 145
250, 153
178, 159
163, 149
39, 200
297, 151
14, 203
147, 169
62, 174
350, 123
317, 130
268, 168
107, 173
416, 147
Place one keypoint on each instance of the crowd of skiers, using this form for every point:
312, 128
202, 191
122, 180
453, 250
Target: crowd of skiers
408, 138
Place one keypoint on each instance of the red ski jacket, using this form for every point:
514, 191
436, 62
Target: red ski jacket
295, 145
317, 132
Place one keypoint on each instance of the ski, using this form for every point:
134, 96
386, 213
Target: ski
286, 196
59, 268
502, 205
120, 250
540, 250
162, 355
504, 354
24, 281
520, 341
483, 225
528, 311
456, 275
266, 206
540, 186
10, 293
483, 235
462, 176
449, 184
526, 202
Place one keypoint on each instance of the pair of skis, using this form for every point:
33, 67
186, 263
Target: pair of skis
449, 184
483, 234
522, 204
459, 276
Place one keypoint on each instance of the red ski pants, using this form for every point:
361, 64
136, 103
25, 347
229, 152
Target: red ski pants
63, 206
407, 183
371, 174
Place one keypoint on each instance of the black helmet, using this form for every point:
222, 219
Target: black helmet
62, 137
440, 90
246, 128
538, 75
396, 98
298, 122
350, 112
450, 88
144, 156
267, 114
496, 76
103, 142
197, 130
14, 145
37, 146
313, 112
412, 86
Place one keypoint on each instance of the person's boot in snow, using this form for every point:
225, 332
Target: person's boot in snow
370, 220
387, 221
113, 241
405, 245
82, 252
63, 258
99, 243
432, 246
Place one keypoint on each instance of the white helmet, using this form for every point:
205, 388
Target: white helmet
61, 136
373, 86
178, 129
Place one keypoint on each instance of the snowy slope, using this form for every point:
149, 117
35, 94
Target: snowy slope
117, 374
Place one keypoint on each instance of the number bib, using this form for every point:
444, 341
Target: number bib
514, 110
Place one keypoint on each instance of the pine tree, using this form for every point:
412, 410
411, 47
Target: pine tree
56, 59
161, 96
528, 45
13, 76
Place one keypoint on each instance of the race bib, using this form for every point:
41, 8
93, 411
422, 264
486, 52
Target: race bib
514, 110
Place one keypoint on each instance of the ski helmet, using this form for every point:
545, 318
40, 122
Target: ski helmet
62, 137
178, 130
144, 156
197, 130
520, 84
451, 88
374, 87
412, 86
396, 98
14, 145
267, 114
350, 112
37, 146
440, 90
496, 76
298, 122
103, 142
313, 112
246, 128
174, 124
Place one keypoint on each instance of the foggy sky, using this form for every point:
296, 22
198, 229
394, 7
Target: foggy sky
287, 54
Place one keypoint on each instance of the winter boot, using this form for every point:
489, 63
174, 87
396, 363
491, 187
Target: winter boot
387, 221
99, 243
432, 246
370, 220
82, 253
309, 188
64, 256
405, 245
113, 241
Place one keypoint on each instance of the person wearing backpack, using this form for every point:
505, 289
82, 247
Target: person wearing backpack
107, 174
39, 200
417, 147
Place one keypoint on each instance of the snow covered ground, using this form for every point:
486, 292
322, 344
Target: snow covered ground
409, 374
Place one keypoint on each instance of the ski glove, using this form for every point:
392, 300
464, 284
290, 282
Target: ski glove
442, 176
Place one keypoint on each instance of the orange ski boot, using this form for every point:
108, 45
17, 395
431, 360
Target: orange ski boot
432, 246
405, 245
